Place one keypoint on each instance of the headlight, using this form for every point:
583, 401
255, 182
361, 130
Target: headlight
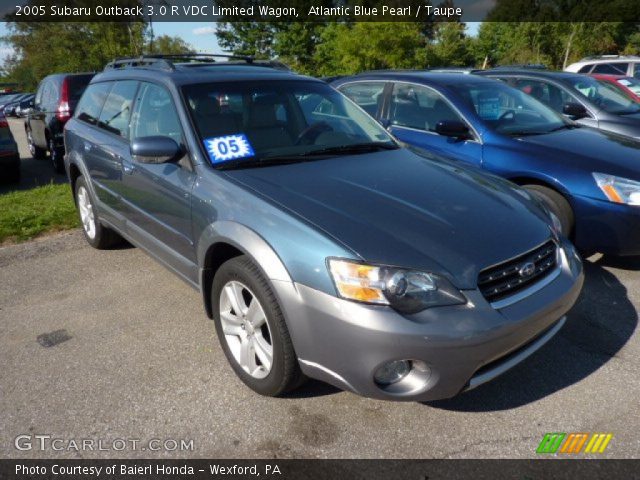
407, 291
617, 189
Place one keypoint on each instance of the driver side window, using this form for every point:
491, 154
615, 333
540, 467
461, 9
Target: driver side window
155, 114
421, 108
546, 93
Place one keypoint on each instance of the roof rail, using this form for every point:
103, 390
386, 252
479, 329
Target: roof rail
607, 57
166, 61
532, 66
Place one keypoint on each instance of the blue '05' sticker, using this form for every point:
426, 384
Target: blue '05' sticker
229, 147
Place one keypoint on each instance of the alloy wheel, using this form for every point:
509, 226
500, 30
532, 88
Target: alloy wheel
87, 216
246, 329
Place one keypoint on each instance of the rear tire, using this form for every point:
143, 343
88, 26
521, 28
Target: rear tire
57, 157
557, 204
256, 332
36, 152
96, 234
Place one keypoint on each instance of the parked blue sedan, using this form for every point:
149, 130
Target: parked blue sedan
589, 179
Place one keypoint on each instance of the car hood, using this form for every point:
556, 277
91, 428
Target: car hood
399, 208
605, 152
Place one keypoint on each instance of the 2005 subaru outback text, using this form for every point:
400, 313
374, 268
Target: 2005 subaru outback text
321, 247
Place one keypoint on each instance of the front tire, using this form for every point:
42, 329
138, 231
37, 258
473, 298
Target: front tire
252, 330
557, 204
96, 235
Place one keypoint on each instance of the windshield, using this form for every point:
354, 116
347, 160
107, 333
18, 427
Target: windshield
269, 121
604, 95
632, 84
509, 111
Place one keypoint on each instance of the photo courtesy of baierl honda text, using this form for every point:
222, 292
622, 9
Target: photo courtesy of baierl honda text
386, 239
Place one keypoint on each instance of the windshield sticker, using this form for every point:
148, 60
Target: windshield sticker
229, 147
489, 108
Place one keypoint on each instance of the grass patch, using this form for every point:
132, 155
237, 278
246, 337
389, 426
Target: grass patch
28, 213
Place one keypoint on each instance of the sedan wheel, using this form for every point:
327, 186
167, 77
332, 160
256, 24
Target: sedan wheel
246, 329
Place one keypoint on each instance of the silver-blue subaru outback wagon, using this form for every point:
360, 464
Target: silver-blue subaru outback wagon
322, 247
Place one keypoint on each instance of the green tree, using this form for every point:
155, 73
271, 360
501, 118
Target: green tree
451, 47
170, 45
352, 48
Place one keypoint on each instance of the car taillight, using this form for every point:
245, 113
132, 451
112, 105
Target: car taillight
63, 112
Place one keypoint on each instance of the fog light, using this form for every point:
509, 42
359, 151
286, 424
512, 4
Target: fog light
392, 372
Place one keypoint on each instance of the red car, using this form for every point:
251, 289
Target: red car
628, 86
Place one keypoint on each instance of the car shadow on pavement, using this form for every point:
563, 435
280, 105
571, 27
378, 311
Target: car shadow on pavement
598, 326
631, 264
313, 388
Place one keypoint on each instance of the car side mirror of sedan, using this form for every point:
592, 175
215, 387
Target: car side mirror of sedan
574, 110
155, 149
453, 128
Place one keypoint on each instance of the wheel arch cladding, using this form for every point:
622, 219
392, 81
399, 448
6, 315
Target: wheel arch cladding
224, 240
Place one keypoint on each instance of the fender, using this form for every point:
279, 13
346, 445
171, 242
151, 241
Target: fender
245, 240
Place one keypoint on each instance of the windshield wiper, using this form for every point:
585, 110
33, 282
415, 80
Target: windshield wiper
352, 149
312, 155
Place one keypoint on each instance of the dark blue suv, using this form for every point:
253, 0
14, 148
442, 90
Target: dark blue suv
589, 179
321, 247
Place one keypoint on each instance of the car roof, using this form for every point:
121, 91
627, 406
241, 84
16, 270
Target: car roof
202, 74
421, 76
531, 72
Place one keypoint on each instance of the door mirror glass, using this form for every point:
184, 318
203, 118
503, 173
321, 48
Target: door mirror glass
574, 110
155, 149
452, 128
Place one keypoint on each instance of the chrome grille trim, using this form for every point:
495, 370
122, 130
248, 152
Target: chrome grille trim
499, 283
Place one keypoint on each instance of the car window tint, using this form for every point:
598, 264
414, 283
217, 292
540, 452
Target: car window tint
76, 86
547, 93
585, 69
92, 101
368, 95
636, 70
611, 68
419, 107
155, 114
116, 112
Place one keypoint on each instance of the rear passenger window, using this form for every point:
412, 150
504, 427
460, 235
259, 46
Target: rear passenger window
368, 95
92, 101
585, 69
155, 114
636, 70
116, 112
611, 68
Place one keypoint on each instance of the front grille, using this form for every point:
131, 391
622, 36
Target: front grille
500, 281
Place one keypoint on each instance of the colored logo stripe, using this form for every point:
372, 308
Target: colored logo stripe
550, 442
574, 443
598, 443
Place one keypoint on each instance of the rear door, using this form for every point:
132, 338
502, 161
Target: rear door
413, 113
157, 197
97, 149
37, 116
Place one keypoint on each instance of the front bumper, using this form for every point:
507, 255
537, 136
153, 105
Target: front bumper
344, 343
606, 227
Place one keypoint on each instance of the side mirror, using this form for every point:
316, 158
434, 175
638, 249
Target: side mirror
574, 110
154, 149
453, 128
